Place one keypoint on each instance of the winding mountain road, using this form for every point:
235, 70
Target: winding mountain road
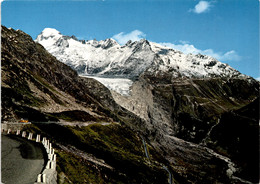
21, 160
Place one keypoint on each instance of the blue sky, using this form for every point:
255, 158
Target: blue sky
225, 29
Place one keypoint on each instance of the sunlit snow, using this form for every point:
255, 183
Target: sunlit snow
108, 58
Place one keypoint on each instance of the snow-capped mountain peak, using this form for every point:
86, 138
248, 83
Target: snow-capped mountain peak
108, 43
48, 33
48, 37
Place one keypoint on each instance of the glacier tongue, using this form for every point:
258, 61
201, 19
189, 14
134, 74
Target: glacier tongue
119, 85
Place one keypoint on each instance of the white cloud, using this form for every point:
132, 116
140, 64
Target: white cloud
189, 48
202, 6
258, 78
231, 55
122, 38
186, 42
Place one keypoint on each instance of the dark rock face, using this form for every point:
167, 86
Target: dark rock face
237, 136
216, 113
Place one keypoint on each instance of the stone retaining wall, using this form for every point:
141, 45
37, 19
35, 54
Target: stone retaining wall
12, 126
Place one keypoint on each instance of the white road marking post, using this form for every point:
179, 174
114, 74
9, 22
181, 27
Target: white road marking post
38, 138
18, 132
44, 178
48, 166
30, 136
39, 178
54, 157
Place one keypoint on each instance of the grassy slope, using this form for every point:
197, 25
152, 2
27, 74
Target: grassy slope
117, 145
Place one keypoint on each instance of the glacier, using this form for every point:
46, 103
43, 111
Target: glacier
119, 85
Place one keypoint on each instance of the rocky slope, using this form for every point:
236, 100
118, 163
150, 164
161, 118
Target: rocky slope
204, 111
180, 112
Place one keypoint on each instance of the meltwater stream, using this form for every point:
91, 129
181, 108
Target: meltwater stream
163, 166
231, 166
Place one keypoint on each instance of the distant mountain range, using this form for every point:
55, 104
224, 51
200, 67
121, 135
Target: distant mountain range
108, 58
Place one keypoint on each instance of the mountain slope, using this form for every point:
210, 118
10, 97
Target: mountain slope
37, 86
36, 79
181, 112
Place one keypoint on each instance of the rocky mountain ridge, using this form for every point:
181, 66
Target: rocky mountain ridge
108, 58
